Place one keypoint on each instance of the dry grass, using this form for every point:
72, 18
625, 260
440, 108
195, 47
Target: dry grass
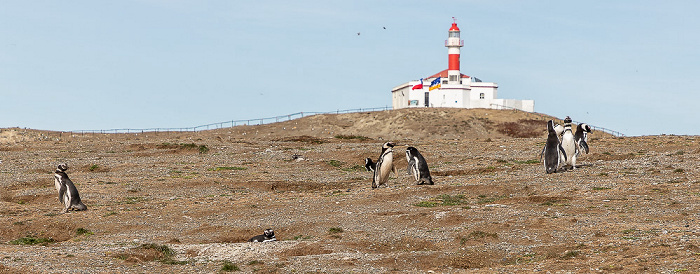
494, 209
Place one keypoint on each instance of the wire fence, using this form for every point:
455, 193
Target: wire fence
232, 123
609, 131
288, 117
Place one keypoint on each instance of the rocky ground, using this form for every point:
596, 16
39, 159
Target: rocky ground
187, 202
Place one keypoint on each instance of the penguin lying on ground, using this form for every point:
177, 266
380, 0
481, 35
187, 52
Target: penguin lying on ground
552, 151
67, 193
418, 166
384, 166
267, 236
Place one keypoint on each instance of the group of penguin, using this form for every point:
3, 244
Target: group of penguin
385, 165
561, 153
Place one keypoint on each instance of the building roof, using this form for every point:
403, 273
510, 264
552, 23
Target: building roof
444, 75
454, 27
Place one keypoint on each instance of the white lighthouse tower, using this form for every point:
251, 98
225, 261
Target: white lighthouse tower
450, 88
453, 43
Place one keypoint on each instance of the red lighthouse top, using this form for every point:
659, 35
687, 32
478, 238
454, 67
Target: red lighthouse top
454, 25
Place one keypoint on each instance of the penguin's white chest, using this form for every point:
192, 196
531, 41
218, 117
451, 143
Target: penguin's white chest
567, 142
387, 164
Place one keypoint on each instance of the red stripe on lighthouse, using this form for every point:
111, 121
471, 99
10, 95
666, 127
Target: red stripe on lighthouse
453, 62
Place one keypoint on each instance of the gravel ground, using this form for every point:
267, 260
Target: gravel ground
632, 205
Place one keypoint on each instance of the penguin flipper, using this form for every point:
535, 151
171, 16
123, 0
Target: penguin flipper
410, 167
374, 179
377, 171
61, 193
561, 150
542, 152
584, 146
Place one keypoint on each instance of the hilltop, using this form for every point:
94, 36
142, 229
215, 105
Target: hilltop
410, 124
188, 201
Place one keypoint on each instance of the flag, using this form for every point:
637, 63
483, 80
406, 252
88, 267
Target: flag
435, 84
418, 86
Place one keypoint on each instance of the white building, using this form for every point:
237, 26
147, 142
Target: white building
451, 88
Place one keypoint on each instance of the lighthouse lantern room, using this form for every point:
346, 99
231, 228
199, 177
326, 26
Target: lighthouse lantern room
451, 88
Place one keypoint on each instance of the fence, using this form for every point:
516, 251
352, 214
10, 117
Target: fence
232, 123
609, 131
282, 118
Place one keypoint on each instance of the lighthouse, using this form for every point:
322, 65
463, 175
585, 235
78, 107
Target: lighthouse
453, 43
451, 88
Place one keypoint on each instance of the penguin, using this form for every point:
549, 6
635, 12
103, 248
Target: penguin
267, 236
569, 144
411, 162
67, 193
384, 165
581, 137
559, 129
369, 164
552, 151
418, 166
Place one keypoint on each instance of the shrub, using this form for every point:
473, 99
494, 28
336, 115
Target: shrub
150, 252
229, 266
30, 240
227, 168
444, 200
334, 230
83, 231
335, 163
351, 137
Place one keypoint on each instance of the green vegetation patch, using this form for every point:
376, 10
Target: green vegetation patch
229, 266
444, 200
151, 252
334, 230
30, 240
526, 162
354, 168
351, 137
227, 168
191, 146
483, 199
83, 231
335, 163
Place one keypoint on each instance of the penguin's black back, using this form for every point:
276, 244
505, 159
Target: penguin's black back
551, 149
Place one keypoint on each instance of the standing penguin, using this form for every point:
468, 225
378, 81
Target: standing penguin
581, 137
384, 165
418, 166
569, 144
67, 193
552, 151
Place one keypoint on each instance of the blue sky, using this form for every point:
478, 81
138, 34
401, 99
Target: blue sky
630, 66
